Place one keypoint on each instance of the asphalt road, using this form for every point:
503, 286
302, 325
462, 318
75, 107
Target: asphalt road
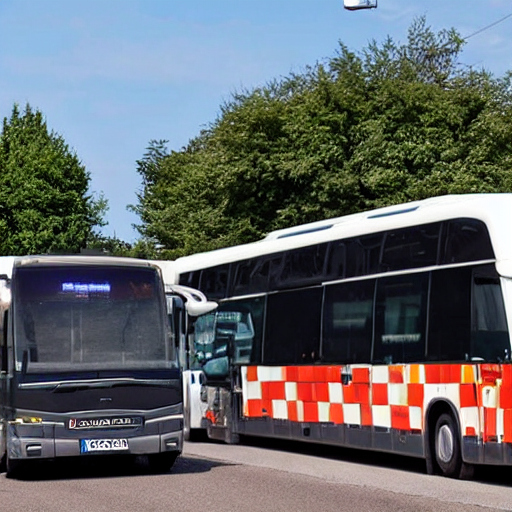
255, 476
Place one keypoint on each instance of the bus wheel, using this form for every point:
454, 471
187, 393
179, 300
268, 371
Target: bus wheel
162, 462
448, 453
12, 467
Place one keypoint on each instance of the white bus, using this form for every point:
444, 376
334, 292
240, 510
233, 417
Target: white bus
191, 353
88, 360
385, 330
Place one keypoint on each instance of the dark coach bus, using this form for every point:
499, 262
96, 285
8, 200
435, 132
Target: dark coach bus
88, 361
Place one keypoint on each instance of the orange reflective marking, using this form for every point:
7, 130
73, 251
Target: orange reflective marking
380, 394
252, 373
415, 394
336, 413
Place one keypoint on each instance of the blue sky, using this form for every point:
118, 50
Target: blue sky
111, 75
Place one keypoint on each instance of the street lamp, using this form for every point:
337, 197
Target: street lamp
354, 5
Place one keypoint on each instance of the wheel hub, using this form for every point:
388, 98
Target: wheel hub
444, 444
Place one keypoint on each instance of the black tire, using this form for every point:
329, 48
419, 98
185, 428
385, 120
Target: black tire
447, 449
162, 462
13, 468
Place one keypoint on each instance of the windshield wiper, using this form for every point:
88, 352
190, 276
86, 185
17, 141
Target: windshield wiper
80, 385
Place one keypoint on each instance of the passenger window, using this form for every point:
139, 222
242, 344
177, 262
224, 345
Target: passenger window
449, 318
411, 247
348, 322
276, 268
214, 281
489, 332
467, 240
304, 265
251, 276
292, 327
242, 320
190, 279
337, 260
363, 255
400, 319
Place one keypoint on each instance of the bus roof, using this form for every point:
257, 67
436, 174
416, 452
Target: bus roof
493, 209
7, 263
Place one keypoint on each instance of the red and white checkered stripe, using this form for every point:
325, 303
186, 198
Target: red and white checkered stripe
395, 396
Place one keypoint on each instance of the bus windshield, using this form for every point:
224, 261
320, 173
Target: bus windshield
90, 318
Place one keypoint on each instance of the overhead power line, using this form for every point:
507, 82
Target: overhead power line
488, 26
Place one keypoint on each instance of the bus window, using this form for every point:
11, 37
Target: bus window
251, 276
348, 321
449, 316
400, 319
412, 247
336, 260
89, 318
241, 323
363, 255
214, 281
467, 240
303, 266
292, 329
489, 333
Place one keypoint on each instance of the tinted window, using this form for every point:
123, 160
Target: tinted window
449, 319
337, 260
90, 318
190, 279
303, 265
214, 281
411, 247
243, 321
363, 255
292, 330
276, 268
489, 331
251, 276
467, 240
400, 318
348, 319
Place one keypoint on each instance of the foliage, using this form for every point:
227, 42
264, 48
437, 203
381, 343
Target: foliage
44, 205
393, 124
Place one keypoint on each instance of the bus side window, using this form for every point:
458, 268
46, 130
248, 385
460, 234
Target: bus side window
412, 247
449, 316
251, 276
214, 281
348, 322
467, 240
336, 260
400, 319
292, 327
489, 333
363, 255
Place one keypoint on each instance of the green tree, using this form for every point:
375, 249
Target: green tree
44, 201
395, 123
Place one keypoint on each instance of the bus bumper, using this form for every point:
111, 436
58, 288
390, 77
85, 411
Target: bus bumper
48, 441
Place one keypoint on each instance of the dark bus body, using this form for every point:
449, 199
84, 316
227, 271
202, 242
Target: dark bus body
88, 361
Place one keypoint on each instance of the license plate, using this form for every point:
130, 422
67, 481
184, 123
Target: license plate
103, 445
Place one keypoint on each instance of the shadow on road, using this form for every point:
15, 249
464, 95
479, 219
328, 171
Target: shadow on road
493, 475
109, 467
